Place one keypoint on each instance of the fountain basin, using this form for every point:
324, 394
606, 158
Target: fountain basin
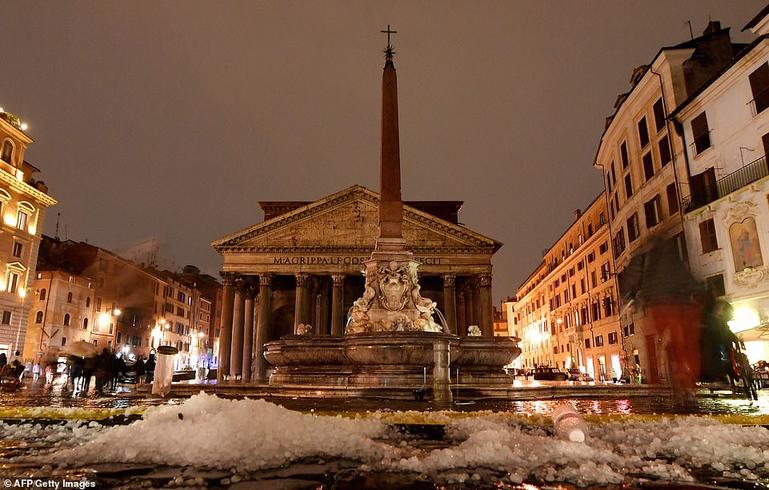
387, 360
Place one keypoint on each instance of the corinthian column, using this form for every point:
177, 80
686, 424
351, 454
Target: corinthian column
263, 325
337, 305
248, 334
461, 315
236, 352
450, 301
485, 304
225, 337
302, 302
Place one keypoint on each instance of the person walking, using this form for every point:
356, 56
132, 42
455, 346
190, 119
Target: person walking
35, 372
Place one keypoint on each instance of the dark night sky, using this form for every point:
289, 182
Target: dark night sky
172, 119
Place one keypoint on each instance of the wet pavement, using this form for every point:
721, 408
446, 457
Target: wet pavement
336, 473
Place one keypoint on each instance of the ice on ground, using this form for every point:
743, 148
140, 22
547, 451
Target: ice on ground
207, 431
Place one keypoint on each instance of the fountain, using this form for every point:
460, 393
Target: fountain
392, 338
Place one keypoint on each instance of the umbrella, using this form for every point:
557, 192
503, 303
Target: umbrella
82, 349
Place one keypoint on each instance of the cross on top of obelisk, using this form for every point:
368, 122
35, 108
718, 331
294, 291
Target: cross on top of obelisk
389, 50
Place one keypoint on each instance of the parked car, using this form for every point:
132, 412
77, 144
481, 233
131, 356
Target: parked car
544, 373
586, 377
575, 374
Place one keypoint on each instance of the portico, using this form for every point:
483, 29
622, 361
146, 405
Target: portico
303, 263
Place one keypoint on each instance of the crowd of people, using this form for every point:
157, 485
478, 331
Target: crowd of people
106, 370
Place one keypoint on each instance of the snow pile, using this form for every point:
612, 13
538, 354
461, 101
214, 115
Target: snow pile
615, 453
207, 431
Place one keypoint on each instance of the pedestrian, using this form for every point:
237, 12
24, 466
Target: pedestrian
3, 360
664, 287
149, 368
35, 372
49, 373
102, 369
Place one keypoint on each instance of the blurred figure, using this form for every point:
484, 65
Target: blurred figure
149, 368
35, 372
49, 370
661, 284
3, 360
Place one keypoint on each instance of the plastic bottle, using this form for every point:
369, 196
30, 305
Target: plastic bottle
569, 424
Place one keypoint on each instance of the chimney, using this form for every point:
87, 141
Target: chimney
713, 27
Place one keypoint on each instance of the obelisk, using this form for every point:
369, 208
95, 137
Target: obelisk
390, 240
391, 301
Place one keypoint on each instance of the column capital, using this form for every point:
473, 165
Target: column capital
265, 279
449, 280
484, 280
249, 291
302, 280
337, 280
240, 284
227, 278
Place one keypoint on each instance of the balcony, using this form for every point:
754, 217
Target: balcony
727, 184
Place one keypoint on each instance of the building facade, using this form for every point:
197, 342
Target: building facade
726, 129
568, 307
305, 260
23, 203
641, 158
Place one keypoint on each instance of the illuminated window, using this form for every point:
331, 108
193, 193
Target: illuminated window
12, 282
22, 219
17, 248
39, 317
66, 319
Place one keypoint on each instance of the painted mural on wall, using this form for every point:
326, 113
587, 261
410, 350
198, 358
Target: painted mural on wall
746, 248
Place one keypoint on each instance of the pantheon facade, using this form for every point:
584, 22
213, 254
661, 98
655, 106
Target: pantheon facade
303, 265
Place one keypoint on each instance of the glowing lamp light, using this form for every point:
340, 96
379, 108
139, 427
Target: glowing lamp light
9, 220
117, 312
201, 335
19, 175
744, 319
24, 126
103, 319
22, 292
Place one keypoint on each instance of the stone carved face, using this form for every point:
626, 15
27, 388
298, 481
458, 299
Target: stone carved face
394, 286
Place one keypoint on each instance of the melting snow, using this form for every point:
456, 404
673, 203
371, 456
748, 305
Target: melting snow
207, 431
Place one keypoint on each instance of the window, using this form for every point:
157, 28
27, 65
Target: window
648, 165
88, 302
608, 305
63, 341
42, 295
700, 133
604, 272
628, 186
652, 212
659, 115
7, 155
643, 132
181, 296
6, 318
759, 86
619, 242
13, 282
612, 337
39, 317
21, 220
69, 297
715, 285
98, 304
66, 319
17, 248
592, 278
599, 341
623, 154
672, 199
632, 228
603, 248
587, 343
708, 236
664, 151
613, 174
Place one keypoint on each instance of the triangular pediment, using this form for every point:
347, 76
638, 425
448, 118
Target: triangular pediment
349, 220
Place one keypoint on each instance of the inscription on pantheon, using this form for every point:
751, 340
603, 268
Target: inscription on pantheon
339, 260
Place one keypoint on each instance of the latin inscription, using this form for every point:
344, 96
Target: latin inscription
337, 260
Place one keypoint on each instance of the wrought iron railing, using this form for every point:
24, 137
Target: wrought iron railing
759, 103
727, 184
